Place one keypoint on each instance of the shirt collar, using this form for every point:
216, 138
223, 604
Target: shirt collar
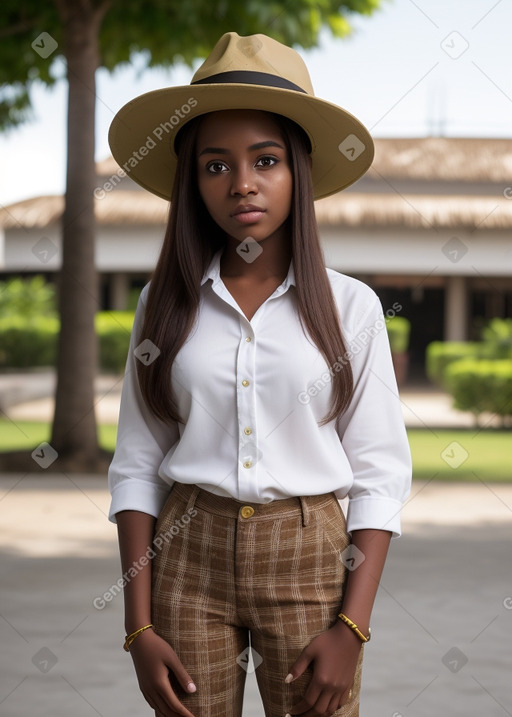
213, 271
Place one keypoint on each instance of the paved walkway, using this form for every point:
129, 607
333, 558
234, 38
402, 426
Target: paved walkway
442, 624
29, 397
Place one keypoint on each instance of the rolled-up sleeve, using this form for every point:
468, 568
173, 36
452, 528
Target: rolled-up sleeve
372, 430
142, 442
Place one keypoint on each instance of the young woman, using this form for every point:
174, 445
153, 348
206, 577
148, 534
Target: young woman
259, 394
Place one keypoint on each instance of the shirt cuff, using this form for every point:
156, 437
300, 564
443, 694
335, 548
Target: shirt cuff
374, 513
133, 494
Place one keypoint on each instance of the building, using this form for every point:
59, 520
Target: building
428, 226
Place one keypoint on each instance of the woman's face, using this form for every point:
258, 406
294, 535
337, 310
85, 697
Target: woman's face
242, 160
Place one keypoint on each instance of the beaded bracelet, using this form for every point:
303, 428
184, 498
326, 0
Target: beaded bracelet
354, 627
130, 638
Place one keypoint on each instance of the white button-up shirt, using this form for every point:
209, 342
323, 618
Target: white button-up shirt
251, 393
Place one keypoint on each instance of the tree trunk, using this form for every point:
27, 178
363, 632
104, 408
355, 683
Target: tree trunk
74, 434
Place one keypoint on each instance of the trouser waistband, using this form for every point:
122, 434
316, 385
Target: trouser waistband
233, 508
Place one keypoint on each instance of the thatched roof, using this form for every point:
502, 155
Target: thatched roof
349, 209
444, 159
116, 208
415, 211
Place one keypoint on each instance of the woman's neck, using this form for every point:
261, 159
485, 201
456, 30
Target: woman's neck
255, 261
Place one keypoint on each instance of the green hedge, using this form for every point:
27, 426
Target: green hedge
440, 354
481, 385
114, 329
496, 344
498, 336
25, 344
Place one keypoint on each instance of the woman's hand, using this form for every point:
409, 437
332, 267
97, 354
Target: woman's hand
152, 659
334, 654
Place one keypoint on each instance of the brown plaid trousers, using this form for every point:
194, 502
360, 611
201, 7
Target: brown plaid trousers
225, 570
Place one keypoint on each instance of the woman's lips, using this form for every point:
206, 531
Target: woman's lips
248, 217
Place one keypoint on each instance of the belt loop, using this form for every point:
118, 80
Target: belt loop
305, 510
192, 497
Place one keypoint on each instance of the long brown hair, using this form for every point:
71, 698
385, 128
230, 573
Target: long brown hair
192, 238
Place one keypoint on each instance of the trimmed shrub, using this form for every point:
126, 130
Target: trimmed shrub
440, 354
28, 343
497, 336
481, 385
113, 329
496, 344
399, 329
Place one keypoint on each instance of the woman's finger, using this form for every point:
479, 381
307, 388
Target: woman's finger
170, 705
334, 704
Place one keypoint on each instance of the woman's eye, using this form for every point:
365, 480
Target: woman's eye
212, 168
268, 159
217, 167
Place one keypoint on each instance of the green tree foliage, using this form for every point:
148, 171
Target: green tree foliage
160, 32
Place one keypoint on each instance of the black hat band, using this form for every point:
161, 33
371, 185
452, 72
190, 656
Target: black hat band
248, 77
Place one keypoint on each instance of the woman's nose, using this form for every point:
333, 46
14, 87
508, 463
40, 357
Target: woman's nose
243, 181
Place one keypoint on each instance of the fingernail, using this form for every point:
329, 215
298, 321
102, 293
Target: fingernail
287, 715
191, 687
288, 678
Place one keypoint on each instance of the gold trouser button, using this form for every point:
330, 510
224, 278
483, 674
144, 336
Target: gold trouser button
247, 511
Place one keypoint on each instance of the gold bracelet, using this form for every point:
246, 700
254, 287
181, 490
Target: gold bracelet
130, 638
354, 627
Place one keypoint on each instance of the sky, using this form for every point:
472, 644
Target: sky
414, 68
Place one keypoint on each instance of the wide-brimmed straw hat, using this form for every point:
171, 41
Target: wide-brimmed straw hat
242, 72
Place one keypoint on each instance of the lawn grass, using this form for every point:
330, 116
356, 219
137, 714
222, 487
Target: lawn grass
442, 454
461, 455
26, 435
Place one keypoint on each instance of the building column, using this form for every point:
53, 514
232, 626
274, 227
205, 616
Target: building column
120, 290
456, 309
